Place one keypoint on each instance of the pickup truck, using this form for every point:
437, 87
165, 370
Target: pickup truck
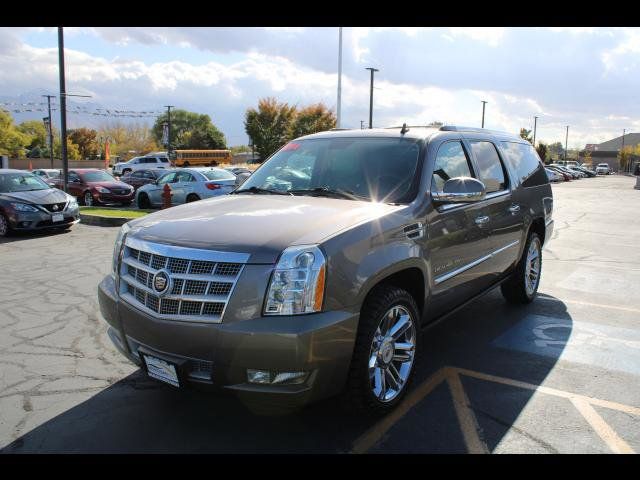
317, 276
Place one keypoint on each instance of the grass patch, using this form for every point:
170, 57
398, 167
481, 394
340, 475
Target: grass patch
114, 212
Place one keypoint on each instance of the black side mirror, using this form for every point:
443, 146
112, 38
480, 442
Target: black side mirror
460, 190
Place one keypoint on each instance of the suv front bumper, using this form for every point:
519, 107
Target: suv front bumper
219, 354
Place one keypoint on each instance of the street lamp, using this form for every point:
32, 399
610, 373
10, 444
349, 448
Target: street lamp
371, 96
566, 140
535, 124
483, 104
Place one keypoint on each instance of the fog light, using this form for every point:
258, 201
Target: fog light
266, 377
259, 376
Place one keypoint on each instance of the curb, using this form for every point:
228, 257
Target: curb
103, 221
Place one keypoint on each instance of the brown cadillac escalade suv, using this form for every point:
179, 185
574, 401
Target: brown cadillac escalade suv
317, 275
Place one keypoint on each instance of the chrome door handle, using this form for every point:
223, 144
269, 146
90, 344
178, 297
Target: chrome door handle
482, 220
514, 208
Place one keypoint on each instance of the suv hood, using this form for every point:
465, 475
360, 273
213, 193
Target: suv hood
38, 197
260, 225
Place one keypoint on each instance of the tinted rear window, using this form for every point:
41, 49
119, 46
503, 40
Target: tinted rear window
491, 172
525, 163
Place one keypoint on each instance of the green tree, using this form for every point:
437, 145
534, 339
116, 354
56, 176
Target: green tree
86, 140
542, 151
36, 130
73, 152
556, 151
190, 130
269, 125
312, 119
12, 140
526, 134
125, 138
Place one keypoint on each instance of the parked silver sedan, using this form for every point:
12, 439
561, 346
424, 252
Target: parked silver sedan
187, 185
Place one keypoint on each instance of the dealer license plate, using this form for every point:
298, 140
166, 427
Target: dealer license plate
57, 217
161, 370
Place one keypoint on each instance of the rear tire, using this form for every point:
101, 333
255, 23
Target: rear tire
522, 285
192, 198
125, 171
374, 369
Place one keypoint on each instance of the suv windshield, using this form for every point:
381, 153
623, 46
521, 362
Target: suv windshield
21, 182
376, 169
97, 177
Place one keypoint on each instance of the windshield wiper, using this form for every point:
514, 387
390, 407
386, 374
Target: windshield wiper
331, 192
261, 190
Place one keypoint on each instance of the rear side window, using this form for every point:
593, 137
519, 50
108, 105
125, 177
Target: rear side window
491, 171
451, 161
525, 163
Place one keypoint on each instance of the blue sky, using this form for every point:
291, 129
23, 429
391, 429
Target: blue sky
582, 77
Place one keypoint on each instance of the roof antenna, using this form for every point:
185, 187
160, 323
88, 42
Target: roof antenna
404, 130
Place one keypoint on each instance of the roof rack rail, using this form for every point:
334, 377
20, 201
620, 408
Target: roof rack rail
338, 129
410, 126
458, 128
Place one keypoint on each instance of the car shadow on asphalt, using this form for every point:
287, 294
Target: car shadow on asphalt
19, 236
140, 415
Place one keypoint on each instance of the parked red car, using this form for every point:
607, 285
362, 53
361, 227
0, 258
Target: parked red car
94, 187
139, 178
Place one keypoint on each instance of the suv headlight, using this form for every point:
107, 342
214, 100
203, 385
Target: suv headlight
297, 283
118, 248
102, 189
24, 207
73, 203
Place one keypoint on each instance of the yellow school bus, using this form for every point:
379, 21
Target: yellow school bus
200, 158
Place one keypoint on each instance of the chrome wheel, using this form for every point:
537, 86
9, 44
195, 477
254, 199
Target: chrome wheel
532, 267
392, 353
88, 199
4, 226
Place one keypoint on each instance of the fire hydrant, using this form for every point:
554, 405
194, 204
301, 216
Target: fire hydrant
166, 196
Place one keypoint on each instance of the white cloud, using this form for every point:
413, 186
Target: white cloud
492, 36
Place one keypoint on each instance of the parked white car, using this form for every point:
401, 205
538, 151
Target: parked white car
603, 169
145, 162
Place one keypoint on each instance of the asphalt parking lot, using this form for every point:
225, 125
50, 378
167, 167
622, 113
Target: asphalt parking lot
561, 375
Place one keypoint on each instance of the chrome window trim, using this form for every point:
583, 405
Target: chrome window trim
488, 196
468, 266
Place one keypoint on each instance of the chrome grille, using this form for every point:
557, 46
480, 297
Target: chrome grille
200, 289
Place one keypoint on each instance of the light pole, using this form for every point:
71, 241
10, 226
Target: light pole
483, 104
338, 109
535, 124
63, 109
169, 107
622, 149
50, 128
371, 96
566, 140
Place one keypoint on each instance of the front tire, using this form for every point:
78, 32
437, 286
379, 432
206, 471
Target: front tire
5, 228
385, 352
87, 199
522, 285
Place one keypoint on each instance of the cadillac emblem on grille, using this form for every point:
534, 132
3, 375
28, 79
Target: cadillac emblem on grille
161, 282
